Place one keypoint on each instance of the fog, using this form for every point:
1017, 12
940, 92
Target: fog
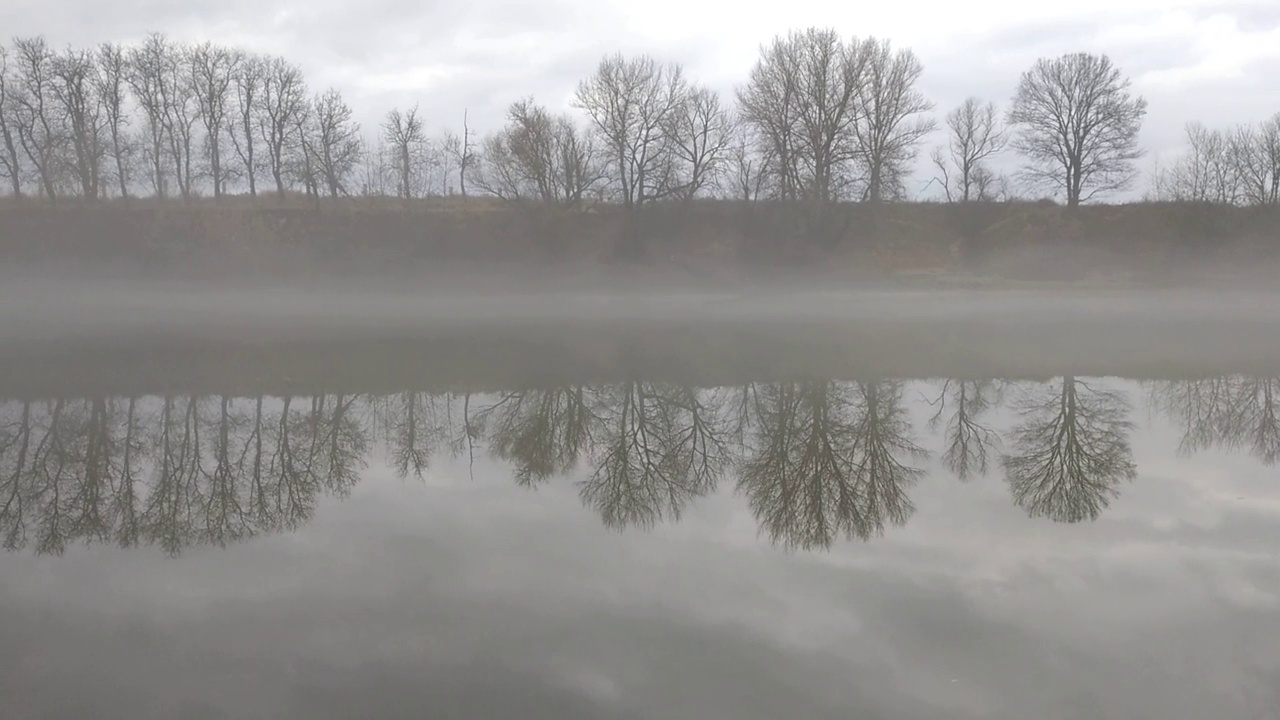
76, 332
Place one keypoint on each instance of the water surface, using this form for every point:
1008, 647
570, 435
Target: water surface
643, 516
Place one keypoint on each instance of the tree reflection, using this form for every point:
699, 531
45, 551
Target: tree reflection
968, 439
829, 460
1253, 422
192, 470
657, 448
1232, 412
1070, 452
542, 432
415, 426
816, 460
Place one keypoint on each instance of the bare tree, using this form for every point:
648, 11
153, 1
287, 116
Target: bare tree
39, 131
375, 170
700, 140
407, 141
335, 141
975, 135
284, 101
745, 173
632, 104
1210, 170
111, 79
801, 105
890, 128
74, 75
460, 151
1077, 125
9, 160
213, 69
247, 80
147, 78
440, 162
1256, 158
303, 164
539, 156
172, 94
1269, 146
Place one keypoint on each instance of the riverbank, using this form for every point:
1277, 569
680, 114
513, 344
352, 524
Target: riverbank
714, 241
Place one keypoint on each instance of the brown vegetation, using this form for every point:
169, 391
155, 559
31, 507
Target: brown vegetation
384, 237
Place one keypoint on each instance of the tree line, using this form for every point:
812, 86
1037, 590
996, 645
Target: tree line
820, 119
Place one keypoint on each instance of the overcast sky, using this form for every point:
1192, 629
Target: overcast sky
1210, 60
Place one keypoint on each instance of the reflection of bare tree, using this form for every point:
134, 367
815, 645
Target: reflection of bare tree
658, 446
223, 507
15, 446
415, 427
49, 464
829, 461
168, 515
341, 444
1071, 451
968, 440
543, 432
124, 492
1233, 412
190, 471
1200, 405
1253, 421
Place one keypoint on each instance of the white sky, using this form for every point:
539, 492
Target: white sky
1216, 61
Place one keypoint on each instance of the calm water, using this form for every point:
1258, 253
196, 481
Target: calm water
696, 525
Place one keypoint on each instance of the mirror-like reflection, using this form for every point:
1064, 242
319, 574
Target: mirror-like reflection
817, 461
1231, 412
1070, 450
829, 460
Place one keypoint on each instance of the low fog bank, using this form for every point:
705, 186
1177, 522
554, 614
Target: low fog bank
82, 336
33, 307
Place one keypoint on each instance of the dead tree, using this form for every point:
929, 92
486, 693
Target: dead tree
460, 150
1077, 126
